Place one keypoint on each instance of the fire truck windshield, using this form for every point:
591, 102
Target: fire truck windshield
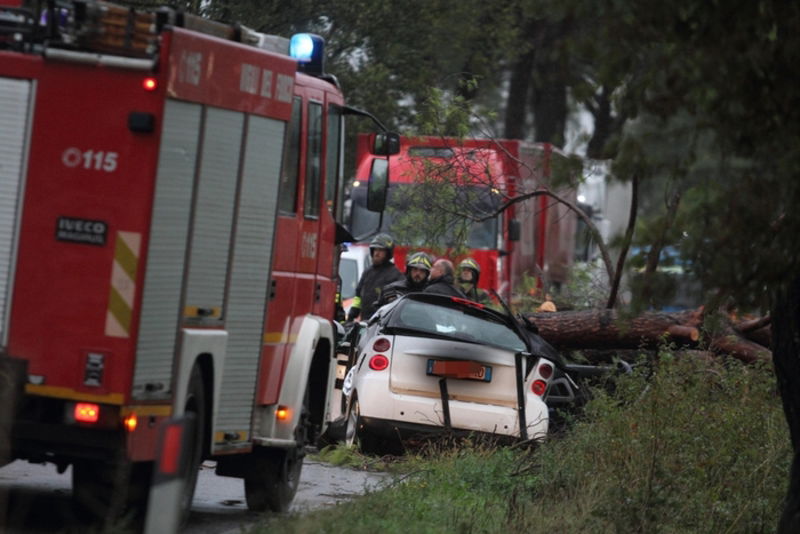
400, 211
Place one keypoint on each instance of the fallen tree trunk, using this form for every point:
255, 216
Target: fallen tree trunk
732, 343
606, 329
597, 330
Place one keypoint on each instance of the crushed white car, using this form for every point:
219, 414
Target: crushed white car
429, 363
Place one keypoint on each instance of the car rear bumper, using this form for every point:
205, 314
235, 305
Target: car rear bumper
426, 414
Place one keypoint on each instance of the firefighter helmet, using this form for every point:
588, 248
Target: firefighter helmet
419, 260
471, 264
383, 241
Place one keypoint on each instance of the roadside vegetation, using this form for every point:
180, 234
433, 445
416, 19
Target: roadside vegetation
688, 445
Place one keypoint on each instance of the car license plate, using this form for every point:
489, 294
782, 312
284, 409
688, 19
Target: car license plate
463, 369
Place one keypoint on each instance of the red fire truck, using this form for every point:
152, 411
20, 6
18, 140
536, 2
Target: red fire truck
170, 192
535, 237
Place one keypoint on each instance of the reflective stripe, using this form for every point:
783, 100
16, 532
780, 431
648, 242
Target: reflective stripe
123, 284
356, 303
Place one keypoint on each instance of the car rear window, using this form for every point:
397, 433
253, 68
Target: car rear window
463, 324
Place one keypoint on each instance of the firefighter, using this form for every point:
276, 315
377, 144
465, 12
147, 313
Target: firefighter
418, 268
442, 279
469, 273
381, 273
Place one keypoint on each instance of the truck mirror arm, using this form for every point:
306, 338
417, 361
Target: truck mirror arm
349, 110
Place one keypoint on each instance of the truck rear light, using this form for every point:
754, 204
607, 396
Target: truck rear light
539, 387
381, 345
130, 422
379, 362
282, 413
87, 412
150, 84
545, 370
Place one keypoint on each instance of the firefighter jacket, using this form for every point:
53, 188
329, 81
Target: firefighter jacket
370, 288
478, 295
398, 289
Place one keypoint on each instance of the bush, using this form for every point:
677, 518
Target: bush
685, 446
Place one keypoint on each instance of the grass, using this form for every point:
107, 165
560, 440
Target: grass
688, 446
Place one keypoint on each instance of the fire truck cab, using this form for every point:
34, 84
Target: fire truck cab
170, 190
534, 238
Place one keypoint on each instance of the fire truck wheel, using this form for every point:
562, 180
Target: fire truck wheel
275, 475
196, 405
109, 493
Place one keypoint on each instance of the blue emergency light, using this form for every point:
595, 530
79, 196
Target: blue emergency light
309, 51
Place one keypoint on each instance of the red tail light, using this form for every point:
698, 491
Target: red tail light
150, 84
545, 370
379, 362
539, 387
467, 302
381, 345
87, 412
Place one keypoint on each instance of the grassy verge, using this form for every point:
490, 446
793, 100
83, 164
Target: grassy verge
691, 447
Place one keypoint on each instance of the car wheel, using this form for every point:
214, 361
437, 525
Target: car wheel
274, 478
356, 434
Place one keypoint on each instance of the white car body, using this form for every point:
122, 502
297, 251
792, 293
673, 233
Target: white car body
424, 340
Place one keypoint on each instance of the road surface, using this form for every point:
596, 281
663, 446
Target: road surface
35, 498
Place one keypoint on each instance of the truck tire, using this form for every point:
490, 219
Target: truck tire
196, 407
272, 482
111, 494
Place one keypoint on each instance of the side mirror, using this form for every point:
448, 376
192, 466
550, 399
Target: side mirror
514, 230
386, 144
378, 185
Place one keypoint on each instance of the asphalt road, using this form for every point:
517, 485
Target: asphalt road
36, 499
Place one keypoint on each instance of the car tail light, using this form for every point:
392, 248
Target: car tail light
87, 412
379, 362
381, 345
545, 370
539, 387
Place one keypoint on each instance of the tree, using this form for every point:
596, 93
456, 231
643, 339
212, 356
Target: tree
726, 67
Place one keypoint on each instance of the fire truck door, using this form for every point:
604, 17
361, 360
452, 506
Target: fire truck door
283, 284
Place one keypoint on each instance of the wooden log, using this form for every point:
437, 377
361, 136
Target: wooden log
606, 329
753, 324
733, 344
762, 336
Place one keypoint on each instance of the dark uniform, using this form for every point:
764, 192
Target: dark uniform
479, 295
470, 287
370, 286
418, 260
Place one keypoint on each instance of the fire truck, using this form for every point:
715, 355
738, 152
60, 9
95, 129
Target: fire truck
535, 237
170, 194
